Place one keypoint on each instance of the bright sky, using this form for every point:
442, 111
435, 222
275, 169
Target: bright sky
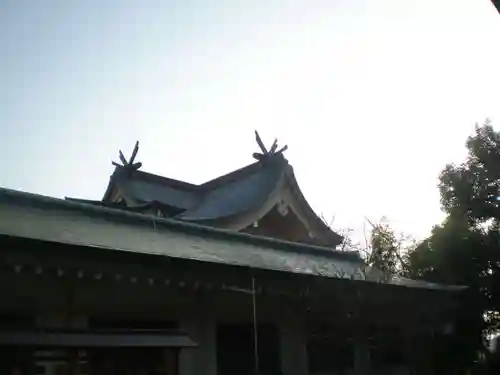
373, 98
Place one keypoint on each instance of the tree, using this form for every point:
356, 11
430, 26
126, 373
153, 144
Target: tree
471, 191
385, 250
472, 188
465, 249
456, 254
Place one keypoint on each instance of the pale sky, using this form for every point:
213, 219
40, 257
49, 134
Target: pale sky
373, 97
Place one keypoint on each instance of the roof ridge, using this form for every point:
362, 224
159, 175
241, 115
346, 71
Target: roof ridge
207, 185
241, 172
155, 178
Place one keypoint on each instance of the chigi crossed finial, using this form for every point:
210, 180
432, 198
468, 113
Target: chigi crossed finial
265, 152
130, 163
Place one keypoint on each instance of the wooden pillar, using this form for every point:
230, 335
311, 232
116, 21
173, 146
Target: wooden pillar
293, 347
171, 357
410, 353
73, 365
201, 360
362, 360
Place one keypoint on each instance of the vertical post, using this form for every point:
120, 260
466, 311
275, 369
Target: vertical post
416, 360
362, 360
361, 356
255, 327
170, 357
71, 353
202, 359
293, 345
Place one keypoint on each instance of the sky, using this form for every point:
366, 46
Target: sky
373, 98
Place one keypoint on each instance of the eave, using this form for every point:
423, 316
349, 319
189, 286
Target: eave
305, 210
496, 3
49, 219
230, 203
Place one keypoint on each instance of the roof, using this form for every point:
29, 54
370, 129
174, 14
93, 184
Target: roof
496, 3
49, 219
142, 187
241, 192
237, 192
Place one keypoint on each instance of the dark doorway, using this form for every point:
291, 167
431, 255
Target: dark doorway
93, 361
132, 361
236, 353
329, 356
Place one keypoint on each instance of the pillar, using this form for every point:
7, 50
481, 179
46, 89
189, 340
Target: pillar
293, 347
201, 360
362, 361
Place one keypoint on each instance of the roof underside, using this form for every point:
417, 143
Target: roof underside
49, 219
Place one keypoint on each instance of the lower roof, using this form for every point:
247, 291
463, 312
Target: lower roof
106, 339
38, 217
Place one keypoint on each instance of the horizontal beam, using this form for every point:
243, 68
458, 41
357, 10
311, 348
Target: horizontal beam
90, 339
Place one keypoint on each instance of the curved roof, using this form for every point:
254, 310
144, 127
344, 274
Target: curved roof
141, 187
229, 198
236, 199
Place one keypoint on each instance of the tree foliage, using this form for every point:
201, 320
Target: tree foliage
456, 254
472, 188
465, 249
385, 250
